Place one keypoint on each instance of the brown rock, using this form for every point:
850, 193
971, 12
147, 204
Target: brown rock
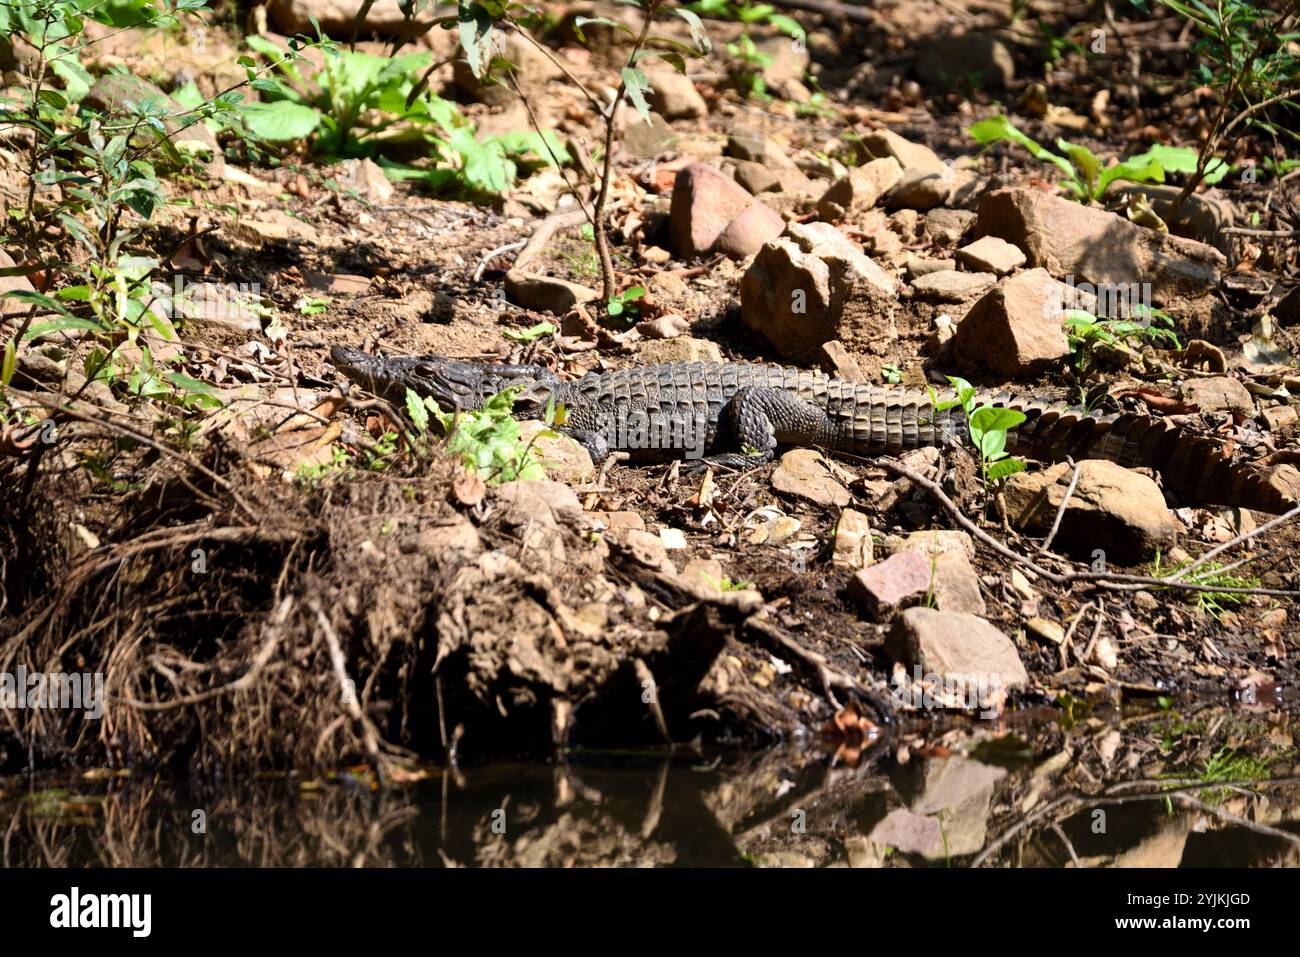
917, 266
946, 226
756, 177
991, 254
964, 649
1016, 328
803, 474
860, 189
546, 293
563, 458
813, 285
913, 157
1217, 394
1095, 246
8, 305
674, 96
920, 189
1279, 417
853, 545
1113, 509
838, 361
617, 521
746, 144
680, 349
948, 285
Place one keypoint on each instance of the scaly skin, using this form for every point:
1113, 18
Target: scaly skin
736, 414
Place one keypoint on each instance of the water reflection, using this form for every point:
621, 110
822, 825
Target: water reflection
1202, 788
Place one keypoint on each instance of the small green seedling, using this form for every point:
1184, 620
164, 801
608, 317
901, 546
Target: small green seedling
625, 302
988, 426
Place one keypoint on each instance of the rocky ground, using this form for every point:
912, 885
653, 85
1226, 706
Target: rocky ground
789, 601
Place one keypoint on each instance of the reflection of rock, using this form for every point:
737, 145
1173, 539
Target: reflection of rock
956, 793
1162, 849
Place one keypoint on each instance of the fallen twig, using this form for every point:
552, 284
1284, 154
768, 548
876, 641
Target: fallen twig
1060, 512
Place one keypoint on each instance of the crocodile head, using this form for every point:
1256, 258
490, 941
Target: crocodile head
453, 384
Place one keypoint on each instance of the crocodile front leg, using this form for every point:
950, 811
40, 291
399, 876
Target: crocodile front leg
758, 418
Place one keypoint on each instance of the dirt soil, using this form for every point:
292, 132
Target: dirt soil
283, 605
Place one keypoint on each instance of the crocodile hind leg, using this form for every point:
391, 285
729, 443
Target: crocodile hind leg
759, 418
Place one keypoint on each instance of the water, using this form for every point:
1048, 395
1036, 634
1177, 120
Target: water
1203, 787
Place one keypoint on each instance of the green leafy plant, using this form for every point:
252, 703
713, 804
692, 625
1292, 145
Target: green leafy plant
750, 61
625, 303
1086, 178
1224, 765
362, 104
487, 440
1211, 574
312, 305
1246, 52
1085, 332
726, 584
988, 427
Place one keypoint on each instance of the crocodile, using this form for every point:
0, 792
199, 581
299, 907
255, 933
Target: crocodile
738, 414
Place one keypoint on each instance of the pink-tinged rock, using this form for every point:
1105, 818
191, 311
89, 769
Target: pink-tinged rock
885, 587
704, 203
9, 305
745, 235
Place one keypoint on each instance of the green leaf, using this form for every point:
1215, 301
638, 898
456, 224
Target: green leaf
1007, 467
965, 393
476, 37
1085, 162
1182, 159
637, 87
698, 36
998, 128
190, 384
531, 333
416, 410
280, 122
1150, 172
988, 418
8, 363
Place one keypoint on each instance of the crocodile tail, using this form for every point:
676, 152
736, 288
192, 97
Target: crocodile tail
1192, 466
